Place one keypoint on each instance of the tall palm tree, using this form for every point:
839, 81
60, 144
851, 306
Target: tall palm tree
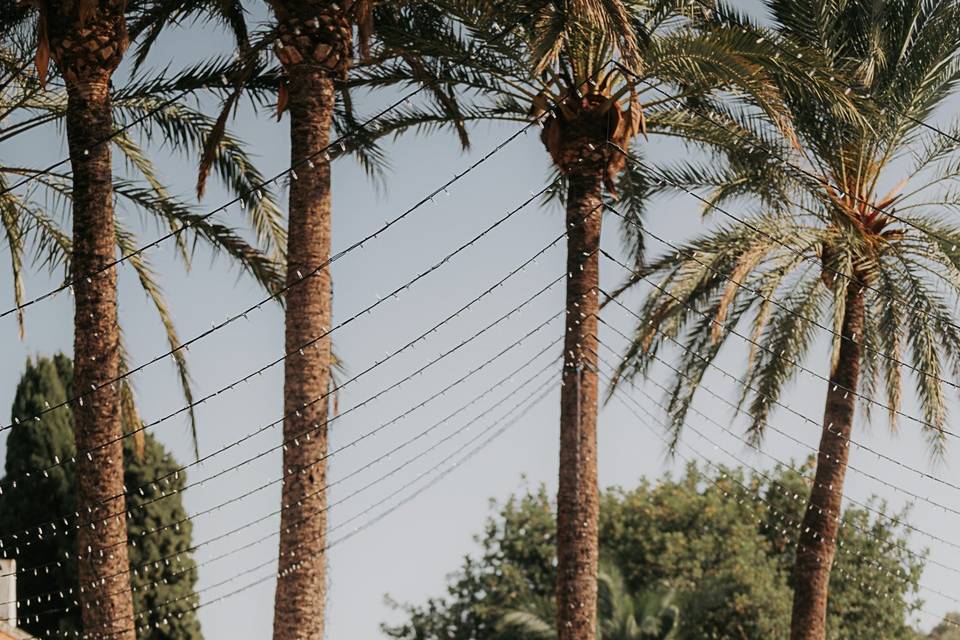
586, 69
622, 616
314, 42
86, 40
838, 252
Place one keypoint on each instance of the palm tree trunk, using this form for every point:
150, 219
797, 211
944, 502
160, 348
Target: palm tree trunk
578, 496
301, 586
106, 602
818, 537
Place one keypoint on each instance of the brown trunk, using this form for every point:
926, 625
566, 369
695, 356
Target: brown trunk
818, 536
87, 41
108, 604
578, 496
301, 586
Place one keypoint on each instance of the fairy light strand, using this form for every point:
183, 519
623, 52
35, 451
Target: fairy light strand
398, 383
385, 456
785, 519
792, 438
423, 336
446, 461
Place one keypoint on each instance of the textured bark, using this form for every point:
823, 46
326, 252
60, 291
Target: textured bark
96, 358
818, 538
87, 41
578, 505
314, 52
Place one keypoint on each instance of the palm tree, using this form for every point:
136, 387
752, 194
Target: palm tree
585, 69
836, 253
86, 40
314, 44
622, 616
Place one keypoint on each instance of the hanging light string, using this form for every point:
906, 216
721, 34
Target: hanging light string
785, 519
693, 256
177, 555
767, 398
370, 434
386, 456
836, 273
308, 161
783, 433
306, 432
155, 483
796, 440
359, 244
813, 69
448, 462
310, 343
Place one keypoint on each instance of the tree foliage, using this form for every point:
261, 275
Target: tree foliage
717, 538
49, 380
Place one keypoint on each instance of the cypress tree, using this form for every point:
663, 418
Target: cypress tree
32, 445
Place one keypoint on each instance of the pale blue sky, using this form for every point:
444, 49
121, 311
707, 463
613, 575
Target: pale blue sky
408, 554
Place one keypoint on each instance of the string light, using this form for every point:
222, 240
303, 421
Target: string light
386, 456
731, 330
52, 524
848, 88
446, 461
258, 305
382, 392
783, 433
312, 342
719, 274
692, 255
772, 400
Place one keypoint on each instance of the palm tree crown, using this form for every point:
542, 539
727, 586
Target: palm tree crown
830, 224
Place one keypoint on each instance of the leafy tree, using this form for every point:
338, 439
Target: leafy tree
29, 447
835, 252
718, 539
